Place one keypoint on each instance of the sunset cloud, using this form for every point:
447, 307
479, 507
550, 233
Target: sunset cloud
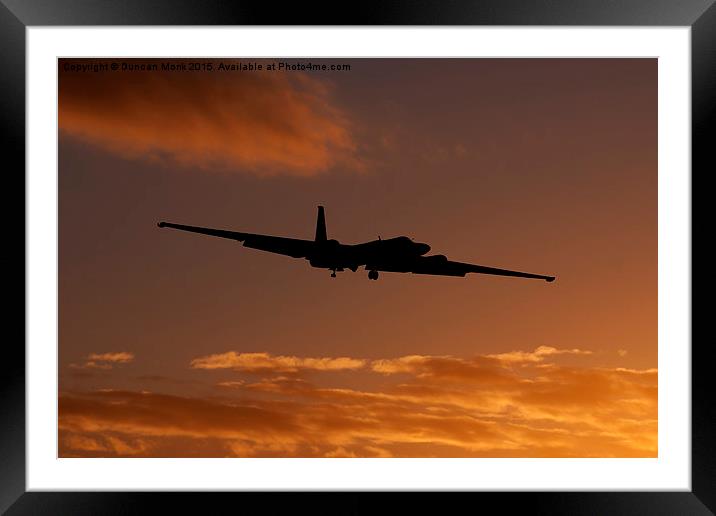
538, 355
261, 122
436, 406
122, 357
471, 369
104, 360
264, 362
231, 384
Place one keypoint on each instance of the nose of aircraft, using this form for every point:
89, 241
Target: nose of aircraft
423, 248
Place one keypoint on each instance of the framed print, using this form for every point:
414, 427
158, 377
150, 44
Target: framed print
440, 249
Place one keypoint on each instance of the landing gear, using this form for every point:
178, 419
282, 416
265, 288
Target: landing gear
373, 275
333, 274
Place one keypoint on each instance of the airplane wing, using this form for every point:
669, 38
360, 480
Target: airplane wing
441, 266
293, 247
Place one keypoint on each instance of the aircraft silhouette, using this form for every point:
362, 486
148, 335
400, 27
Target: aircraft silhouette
398, 254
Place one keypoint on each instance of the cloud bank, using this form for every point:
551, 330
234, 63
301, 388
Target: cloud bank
431, 406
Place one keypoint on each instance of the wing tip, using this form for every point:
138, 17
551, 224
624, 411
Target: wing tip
161, 224
550, 279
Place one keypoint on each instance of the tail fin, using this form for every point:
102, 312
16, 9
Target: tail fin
321, 226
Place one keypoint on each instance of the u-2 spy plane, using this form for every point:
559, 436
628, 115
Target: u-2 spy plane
399, 254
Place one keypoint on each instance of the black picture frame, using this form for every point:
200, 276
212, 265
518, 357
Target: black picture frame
17, 15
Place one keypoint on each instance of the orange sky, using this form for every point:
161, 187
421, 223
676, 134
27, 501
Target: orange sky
176, 344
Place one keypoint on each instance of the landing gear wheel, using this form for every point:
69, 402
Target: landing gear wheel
373, 275
333, 274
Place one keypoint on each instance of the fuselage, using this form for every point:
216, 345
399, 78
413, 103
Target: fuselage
331, 254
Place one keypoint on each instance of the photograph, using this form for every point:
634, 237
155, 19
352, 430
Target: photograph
357, 257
